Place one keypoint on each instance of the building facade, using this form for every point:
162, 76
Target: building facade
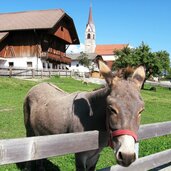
36, 39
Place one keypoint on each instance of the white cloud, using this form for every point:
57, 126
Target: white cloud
76, 48
130, 46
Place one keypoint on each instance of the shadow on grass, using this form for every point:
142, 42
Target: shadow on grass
36, 166
154, 89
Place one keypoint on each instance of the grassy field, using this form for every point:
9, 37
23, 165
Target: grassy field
13, 91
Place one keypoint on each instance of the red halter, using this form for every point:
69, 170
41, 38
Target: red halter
121, 132
118, 133
124, 132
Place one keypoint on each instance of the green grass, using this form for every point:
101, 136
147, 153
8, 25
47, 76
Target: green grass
13, 91
157, 105
157, 109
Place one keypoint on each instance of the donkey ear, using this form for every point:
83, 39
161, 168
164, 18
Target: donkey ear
139, 76
105, 71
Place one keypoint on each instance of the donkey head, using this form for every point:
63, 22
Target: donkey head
124, 107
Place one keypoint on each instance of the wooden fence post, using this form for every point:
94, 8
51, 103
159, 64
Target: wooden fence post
41, 73
10, 72
33, 73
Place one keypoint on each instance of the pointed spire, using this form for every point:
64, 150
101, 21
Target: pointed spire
90, 18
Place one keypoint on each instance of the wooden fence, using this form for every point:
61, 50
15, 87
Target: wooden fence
26, 149
31, 73
153, 160
32, 148
166, 84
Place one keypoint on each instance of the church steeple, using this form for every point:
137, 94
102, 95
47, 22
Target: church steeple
90, 18
90, 34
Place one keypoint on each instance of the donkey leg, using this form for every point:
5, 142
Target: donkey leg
80, 162
86, 161
40, 165
92, 161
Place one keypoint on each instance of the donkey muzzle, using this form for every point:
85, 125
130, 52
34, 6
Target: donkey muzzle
125, 150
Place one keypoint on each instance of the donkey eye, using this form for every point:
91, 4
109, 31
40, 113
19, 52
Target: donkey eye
141, 110
112, 110
139, 113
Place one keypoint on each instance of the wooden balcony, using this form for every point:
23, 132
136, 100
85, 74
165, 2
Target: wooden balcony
59, 57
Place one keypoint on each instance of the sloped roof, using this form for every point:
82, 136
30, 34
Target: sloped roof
108, 49
42, 19
3, 35
90, 18
90, 21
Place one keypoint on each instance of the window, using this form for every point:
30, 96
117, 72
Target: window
62, 29
88, 36
44, 65
11, 64
29, 64
77, 65
48, 65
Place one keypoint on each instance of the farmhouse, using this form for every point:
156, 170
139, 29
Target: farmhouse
36, 39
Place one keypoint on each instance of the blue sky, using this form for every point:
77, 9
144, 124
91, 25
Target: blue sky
116, 21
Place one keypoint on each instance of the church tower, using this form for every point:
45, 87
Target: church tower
90, 34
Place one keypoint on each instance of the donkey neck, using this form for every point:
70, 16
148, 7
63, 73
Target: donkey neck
97, 100
99, 95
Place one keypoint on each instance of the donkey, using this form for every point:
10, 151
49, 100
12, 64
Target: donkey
114, 110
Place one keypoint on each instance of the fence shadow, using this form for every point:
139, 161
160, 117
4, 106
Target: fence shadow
161, 167
35, 166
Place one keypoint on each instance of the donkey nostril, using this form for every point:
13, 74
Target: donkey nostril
120, 157
125, 159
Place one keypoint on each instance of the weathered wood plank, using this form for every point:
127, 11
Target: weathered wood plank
145, 132
154, 130
161, 84
26, 149
32, 72
144, 163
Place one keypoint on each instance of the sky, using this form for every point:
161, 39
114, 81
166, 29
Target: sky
117, 21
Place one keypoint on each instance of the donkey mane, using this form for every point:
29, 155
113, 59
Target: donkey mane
124, 73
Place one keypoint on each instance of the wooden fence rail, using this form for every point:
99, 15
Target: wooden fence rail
152, 161
161, 84
25, 149
20, 72
32, 148
154, 130
145, 163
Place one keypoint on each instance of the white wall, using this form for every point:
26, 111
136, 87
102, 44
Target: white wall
74, 63
109, 57
21, 62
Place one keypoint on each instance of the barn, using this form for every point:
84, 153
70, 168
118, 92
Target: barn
36, 39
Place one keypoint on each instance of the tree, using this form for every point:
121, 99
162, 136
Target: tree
154, 62
168, 74
83, 59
